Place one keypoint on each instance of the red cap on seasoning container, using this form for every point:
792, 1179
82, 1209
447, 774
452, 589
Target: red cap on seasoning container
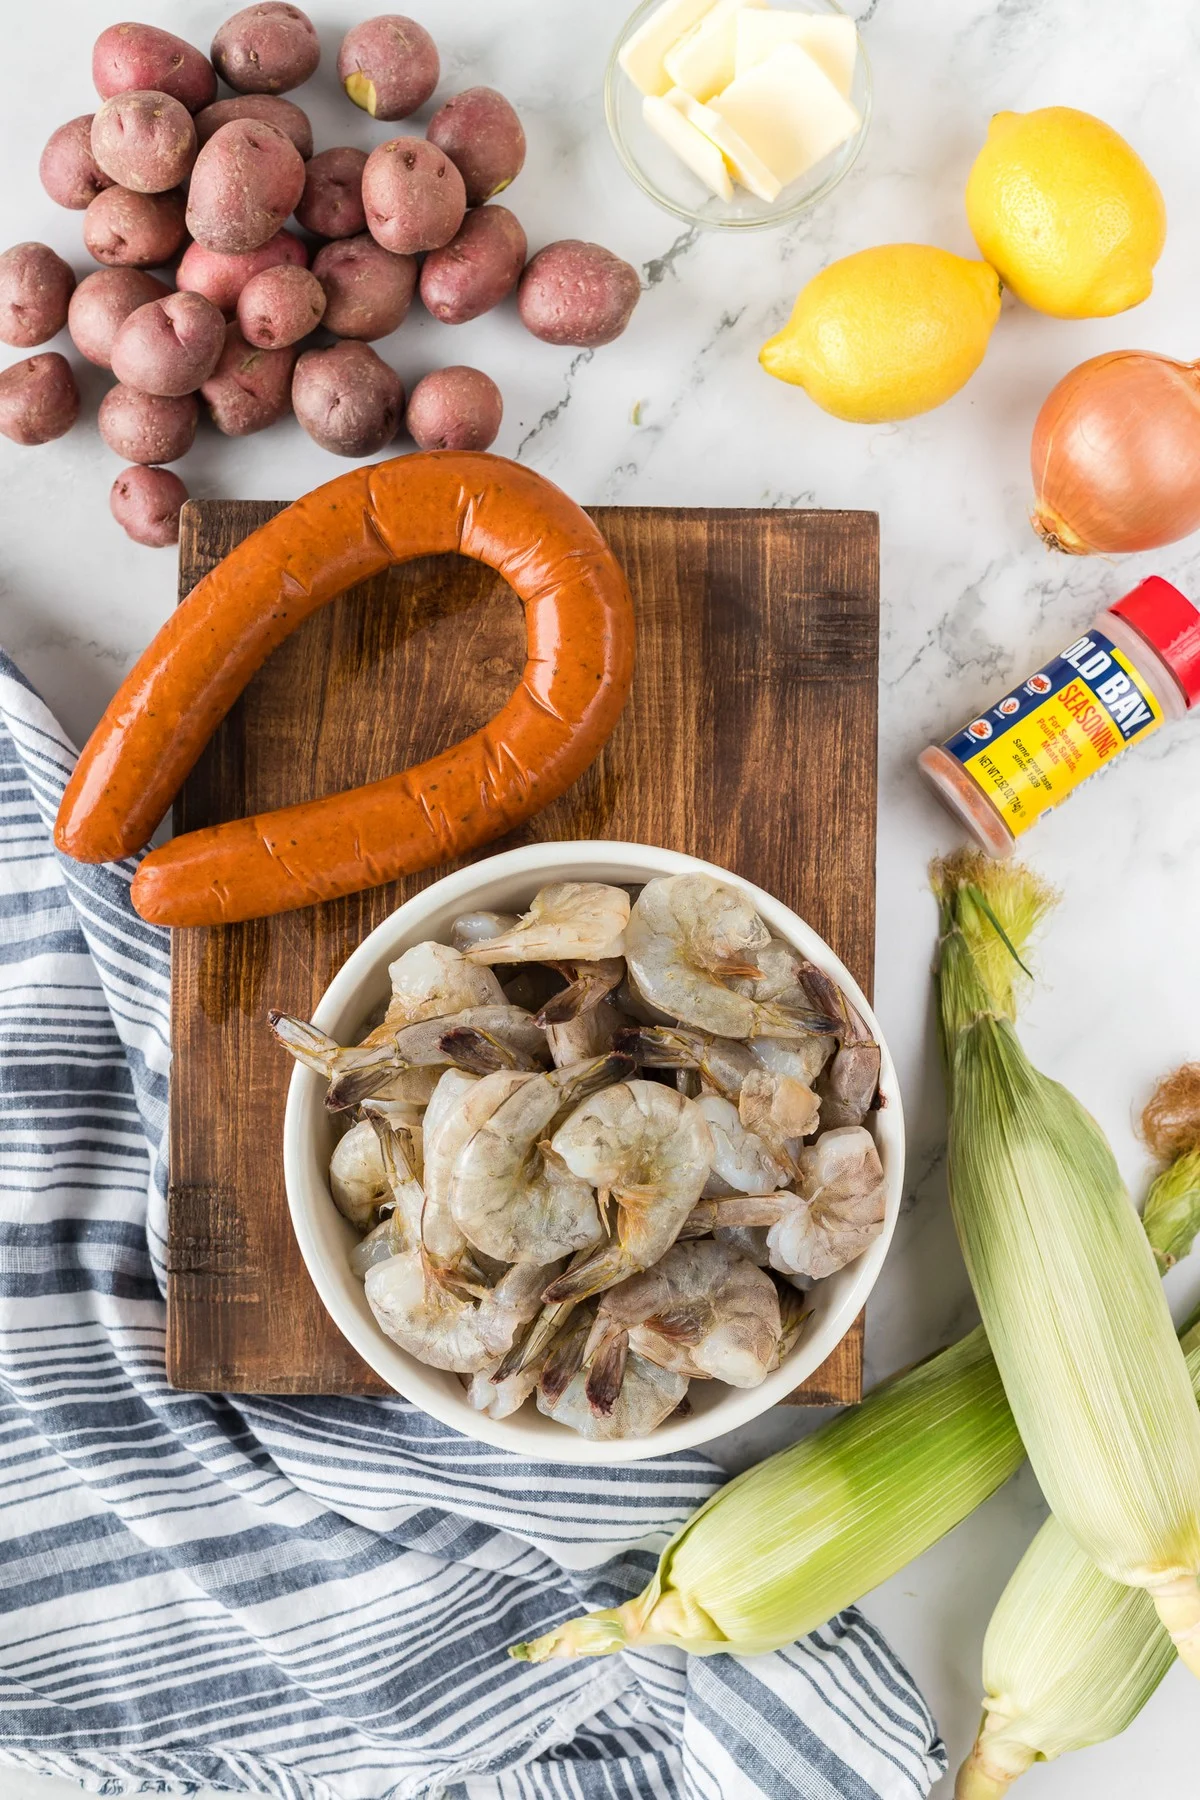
1170, 624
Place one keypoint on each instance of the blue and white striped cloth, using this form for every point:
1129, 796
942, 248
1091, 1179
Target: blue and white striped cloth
306, 1598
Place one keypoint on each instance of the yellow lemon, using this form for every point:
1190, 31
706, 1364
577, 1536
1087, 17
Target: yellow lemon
887, 333
1067, 212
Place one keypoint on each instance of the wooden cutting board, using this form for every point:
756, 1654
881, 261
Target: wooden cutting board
749, 740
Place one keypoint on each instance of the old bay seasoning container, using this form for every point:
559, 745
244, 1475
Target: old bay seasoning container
1138, 665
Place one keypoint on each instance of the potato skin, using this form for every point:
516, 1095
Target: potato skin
146, 503
132, 56
481, 134
249, 389
144, 140
38, 399
268, 109
68, 171
332, 204
454, 409
221, 277
246, 181
413, 195
477, 268
279, 307
388, 65
35, 293
577, 293
368, 290
266, 49
147, 428
347, 399
101, 303
134, 231
170, 346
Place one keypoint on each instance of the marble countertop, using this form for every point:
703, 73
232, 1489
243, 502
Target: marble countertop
969, 598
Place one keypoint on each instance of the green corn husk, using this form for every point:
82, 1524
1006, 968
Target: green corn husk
788, 1544
1065, 1279
1070, 1657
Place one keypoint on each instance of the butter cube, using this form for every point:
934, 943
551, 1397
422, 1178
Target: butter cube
788, 112
744, 163
703, 61
830, 40
690, 145
642, 57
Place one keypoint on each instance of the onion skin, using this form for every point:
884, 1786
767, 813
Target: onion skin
1116, 456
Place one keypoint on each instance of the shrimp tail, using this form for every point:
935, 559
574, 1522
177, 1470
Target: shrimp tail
795, 1020
308, 1045
479, 1053
607, 1372
564, 1362
359, 1073
600, 1269
589, 1077
753, 1209
587, 984
685, 1323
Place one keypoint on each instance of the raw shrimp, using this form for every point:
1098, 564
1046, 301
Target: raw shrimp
559, 1355
432, 980
838, 1211
802, 1057
851, 1080
476, 927
460, 1102
776, 1106
448, 1330
500, 1399
702, 1311
569, 921
648, 1396
511, 1198
503, 1034
688, 937
741, 1162
591, 1033
389, 1238
650, 1150
588, 983
357, 1179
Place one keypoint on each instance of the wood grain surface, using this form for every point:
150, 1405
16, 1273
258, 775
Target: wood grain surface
749, 739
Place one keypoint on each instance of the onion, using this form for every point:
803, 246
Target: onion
1116, 455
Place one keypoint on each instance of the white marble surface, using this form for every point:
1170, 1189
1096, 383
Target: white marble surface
969, 597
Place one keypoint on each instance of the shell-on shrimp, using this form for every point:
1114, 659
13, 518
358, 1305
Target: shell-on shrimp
851, 1081
838, 1211
450, 1330
741, 1162
559, 1356
474, 928
569, 921
431, 980
588, 983
512, 1198
688, 938
357, 1179
591, 1033
649, 1150
702, 1311
776, 1106
357, 1072
648, 1396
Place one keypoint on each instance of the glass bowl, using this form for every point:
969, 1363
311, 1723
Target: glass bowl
667, 180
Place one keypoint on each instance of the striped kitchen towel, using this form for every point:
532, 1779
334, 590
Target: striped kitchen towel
307, 1598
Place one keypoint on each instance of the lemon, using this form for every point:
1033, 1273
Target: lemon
887, 333
1067, 212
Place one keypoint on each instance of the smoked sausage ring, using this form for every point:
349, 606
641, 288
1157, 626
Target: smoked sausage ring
579, 628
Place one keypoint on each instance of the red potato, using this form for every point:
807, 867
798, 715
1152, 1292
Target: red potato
148, 428
246, 181
279, 307
368, 290
221, 278
249, 389
68, 171
454, 409
144, 140
332, 204
482, 135
347, 399
170, 346
577, 293
389, 66
413, 195
146, 503
102, 302
480, 265
38, 399
268, 109
266, 49
134, 231
132, 56
35, 293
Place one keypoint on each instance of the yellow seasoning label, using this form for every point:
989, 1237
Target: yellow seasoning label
1068, 720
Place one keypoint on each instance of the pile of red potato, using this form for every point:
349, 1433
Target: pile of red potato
167, 174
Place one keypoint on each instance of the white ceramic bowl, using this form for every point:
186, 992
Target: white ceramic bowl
507, 883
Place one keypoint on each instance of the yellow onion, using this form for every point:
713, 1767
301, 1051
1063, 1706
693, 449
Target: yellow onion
1116, 455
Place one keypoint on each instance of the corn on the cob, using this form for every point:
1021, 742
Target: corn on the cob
1065, 1279
1070, 1656
787, 1544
